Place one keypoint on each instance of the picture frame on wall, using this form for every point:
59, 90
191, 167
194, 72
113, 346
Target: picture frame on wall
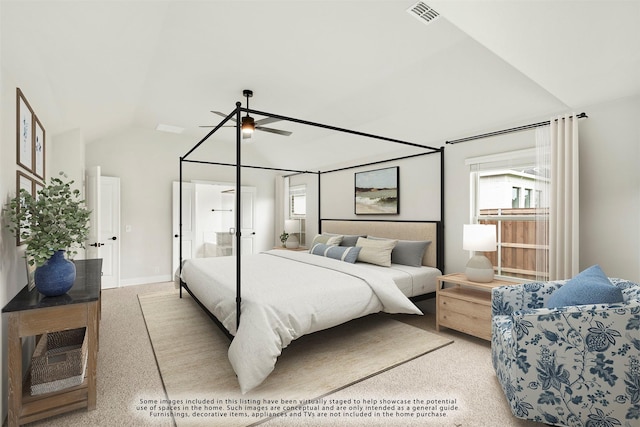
38, 148
24, 132
37, 187
377, 192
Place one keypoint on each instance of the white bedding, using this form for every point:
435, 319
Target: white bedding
285, 295
412, 281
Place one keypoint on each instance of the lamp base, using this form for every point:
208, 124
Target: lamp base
479, 269
292, 242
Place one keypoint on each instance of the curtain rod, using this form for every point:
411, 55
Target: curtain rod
510, 130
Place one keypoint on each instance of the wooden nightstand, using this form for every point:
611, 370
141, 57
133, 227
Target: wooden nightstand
465, 307
299, 248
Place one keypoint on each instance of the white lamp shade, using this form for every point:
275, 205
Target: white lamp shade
292, 226
479, 237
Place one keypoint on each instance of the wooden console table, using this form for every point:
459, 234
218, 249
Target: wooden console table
33, 314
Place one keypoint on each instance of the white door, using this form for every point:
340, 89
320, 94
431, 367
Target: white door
247, 219
188, 222
110, 231
93, 204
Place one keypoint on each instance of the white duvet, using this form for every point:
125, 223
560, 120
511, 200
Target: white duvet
285, 295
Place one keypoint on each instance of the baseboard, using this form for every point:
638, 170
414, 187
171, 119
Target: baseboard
145, 280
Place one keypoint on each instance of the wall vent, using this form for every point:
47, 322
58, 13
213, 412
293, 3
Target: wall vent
423, 12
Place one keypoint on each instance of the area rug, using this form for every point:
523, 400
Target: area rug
202, 389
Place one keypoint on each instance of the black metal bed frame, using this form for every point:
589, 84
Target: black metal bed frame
237, 112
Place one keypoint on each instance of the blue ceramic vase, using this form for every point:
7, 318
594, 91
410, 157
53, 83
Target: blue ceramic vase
56, 276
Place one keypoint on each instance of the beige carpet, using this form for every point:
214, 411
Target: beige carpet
192, 357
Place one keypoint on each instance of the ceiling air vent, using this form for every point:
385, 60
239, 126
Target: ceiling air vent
423, 12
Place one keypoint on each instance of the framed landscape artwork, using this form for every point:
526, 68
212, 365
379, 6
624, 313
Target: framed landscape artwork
377, 192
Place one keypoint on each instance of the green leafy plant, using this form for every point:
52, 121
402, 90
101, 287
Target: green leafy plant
283, 238
56, 219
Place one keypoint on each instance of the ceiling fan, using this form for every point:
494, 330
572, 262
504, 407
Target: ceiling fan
249, 124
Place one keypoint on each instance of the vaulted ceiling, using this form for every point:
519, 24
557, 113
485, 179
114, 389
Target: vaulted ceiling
104, 66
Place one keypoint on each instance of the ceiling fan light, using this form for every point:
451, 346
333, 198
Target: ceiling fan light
248, 125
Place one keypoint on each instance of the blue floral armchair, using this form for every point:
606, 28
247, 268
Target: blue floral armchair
568, 366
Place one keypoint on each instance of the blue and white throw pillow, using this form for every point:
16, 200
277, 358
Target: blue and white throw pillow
342, 253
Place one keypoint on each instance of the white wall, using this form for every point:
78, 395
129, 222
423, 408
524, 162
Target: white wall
66, 154
610, 188
147, 163
419, 190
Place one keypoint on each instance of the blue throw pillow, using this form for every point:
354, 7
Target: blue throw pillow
591, 286
342, 253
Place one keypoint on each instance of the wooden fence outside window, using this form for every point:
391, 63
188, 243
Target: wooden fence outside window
522, 254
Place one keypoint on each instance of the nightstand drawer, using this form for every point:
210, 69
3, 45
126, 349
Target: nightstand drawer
471, 309
466, 306
465, 316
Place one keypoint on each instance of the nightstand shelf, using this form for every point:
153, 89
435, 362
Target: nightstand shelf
465, 307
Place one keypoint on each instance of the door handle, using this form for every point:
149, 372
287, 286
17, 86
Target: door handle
114, 238
96, 245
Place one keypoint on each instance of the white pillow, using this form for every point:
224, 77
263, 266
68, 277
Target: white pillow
326, 239
376, 251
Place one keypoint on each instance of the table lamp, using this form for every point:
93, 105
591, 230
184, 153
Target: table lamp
292, 226
479, 238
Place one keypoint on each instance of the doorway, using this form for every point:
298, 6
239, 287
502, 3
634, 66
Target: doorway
103, 241
208, 220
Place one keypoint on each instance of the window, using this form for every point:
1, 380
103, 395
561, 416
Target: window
527, 198
515, 197
502, 187
298, 207
297, 201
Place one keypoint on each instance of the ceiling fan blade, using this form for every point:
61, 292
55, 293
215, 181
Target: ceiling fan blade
271, 130
266, 121
222, 114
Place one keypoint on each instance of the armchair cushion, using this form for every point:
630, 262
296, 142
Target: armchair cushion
591, 286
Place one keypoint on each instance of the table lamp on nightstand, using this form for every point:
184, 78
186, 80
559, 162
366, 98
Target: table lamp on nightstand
292, 226
479, 238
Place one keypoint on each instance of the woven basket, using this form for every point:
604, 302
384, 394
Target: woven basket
59, 361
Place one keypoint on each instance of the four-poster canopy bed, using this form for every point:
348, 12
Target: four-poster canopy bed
288, 294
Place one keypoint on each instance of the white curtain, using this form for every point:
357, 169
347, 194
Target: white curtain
557, 146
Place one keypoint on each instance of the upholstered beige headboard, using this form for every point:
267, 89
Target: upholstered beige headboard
403, 230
